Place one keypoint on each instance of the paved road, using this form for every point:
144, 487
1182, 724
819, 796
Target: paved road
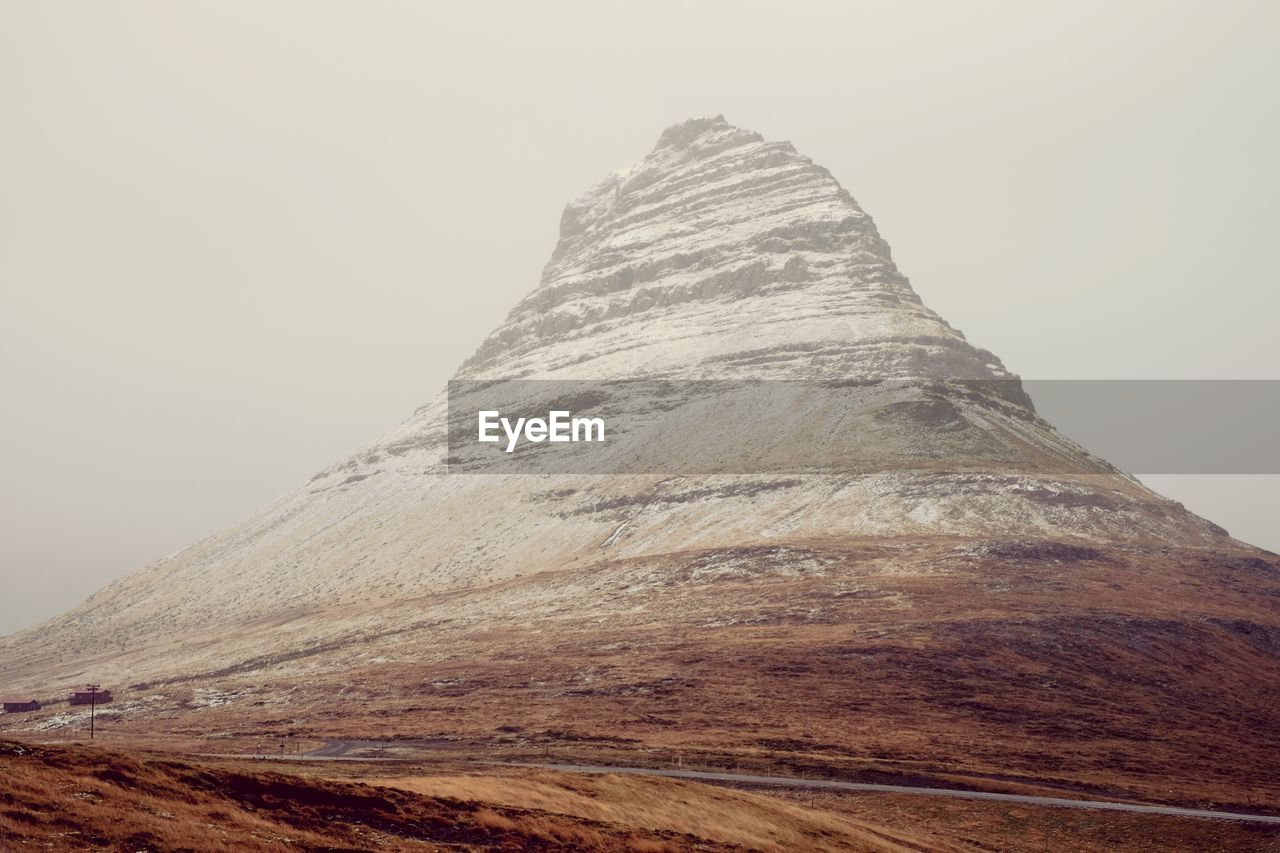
308, 756
787, 781
337, 750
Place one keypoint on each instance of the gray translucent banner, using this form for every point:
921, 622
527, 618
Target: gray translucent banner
680, 427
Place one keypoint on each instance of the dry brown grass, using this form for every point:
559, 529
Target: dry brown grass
796, 819
754, 821
79, 798
1035, 829
1147, 674
82, 798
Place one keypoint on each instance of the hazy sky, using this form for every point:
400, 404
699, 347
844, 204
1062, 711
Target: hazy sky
240, 239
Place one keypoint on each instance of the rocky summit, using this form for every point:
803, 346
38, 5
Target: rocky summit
764, 609
723, 255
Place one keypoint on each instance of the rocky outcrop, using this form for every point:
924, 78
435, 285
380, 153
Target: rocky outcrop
723, 255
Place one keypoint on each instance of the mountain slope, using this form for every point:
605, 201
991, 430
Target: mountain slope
719, 256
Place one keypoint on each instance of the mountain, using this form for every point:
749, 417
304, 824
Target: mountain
1011, 598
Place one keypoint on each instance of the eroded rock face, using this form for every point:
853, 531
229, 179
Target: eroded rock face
720, 255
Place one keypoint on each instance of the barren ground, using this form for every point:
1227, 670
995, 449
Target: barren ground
1048, 668
79, 797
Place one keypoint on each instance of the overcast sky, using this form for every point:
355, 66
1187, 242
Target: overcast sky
240, 239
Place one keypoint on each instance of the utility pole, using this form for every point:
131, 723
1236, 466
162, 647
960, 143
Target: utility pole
93, 704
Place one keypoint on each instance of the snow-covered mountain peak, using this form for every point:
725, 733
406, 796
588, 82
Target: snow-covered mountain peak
720, 255
698, 136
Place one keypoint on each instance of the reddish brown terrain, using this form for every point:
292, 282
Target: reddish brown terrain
1078, 671
1118, 671
81, 798
78, 798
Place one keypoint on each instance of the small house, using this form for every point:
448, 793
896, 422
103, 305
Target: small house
90, 697
18, 706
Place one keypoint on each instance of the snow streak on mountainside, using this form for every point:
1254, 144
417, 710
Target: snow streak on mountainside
720, 255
